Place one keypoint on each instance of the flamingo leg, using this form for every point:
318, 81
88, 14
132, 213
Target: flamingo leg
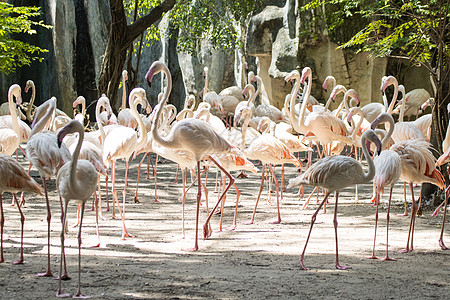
238, 196
78, 294
149, 161
22, 221
259, 195
176, 176
377, 201
136, 199
47, 273
305, 205
277, 187
59, 292
404, 195
125, 233
183, 179
113, 191
206, 229
409, 247
441, 237
313, 220
106, 192
387, 227
199, 195
222, 205
335, 223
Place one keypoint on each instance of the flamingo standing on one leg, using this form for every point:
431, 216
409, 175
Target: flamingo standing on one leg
76, 181
334, 173
13, 179
192, 135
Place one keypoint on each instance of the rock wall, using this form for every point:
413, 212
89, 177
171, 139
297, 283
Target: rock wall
273, 48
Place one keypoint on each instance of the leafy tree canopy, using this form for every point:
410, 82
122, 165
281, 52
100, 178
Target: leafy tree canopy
16, 20
217, 21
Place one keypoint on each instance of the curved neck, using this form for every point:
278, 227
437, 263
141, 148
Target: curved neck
83, 107
402, 110
254, 95
13, 112
371, 170
30, 104
100, 104
390, 129
299, 125
261, 87
244, 128
135, 98
41, 124
394, 98
75, 186
205, 89
185, 113
358, 125
155, 134
124, 93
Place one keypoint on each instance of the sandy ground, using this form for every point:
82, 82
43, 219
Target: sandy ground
258, 261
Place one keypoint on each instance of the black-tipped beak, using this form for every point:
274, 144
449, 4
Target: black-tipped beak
326, 90
358, 104
149, 83
378, 148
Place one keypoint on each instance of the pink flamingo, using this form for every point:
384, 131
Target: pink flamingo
10, 136
192, 135
125, 116
387, 173
76, 181
13, 179
269, 150
335, 173
418, 166
45, 155
121, 142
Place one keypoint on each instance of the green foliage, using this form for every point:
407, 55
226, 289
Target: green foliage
217, 21
17, 20
410, 29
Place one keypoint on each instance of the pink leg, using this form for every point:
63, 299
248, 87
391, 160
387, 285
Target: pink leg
335, 223
125, 233
238, 196
441, 237
78, 294
22, 221
387, 227
404, 194
59, 292
106, 192
409, 247
199, 195
313, 220
377, 201
305, 205
47, 273
206, 229
277, 186
136, 198
259, 195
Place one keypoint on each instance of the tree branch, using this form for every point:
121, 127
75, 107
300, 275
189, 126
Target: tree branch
141, 24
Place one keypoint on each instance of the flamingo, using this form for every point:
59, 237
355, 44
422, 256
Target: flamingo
234, 90
80, 116
10, 138
249, 90
121, 142
194, 136
76, 180
13, 179
47, 157
418, 166
335, 173
211, 97
266, 109
28, 107
413, 102
269, 150
125, 117
387, 173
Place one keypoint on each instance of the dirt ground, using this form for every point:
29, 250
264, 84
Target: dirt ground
258, 261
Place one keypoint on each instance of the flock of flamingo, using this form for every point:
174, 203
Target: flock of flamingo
227, 130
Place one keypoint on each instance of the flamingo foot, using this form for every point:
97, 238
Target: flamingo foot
64, 277
126, 234
339, 267
105, 210
48, 273
191, 249
232, 228
387, 258
94, 245
81, 296
403, 214
406, 250
303, 265
436, 212
136, 199
249, 222
371, 257
115, 218
242, 175
90, 209
276, 221
60, 294
19, 262
441, 243
206, 231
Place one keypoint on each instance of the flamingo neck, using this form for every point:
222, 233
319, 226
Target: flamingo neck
394, 98
358, 125
133, 100
98, 107
390, 129
205, 89
371, 166
124, 93
74, 185
42, 123
402, 111
30, 104
13, 112
299, 125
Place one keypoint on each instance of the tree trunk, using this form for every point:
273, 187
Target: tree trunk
121, 37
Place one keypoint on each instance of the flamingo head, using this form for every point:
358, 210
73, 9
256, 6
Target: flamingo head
387, 81
305, 73
155, 68
125, 75
352, 93
28, 85
77, 101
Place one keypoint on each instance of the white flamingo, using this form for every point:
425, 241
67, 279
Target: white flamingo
76, 181
125, 116
335, 173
